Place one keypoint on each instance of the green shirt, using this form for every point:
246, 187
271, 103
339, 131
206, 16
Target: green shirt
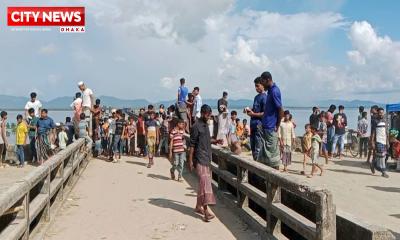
32, 123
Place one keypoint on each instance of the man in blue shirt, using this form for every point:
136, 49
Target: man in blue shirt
273, 114
256, 114
181, 103
45, 125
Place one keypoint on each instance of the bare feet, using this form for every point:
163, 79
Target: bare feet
208, 216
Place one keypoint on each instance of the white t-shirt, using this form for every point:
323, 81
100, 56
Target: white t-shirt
86, 99
197, 106
36, 105
381, 132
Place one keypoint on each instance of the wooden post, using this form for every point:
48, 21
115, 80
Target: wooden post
273, 196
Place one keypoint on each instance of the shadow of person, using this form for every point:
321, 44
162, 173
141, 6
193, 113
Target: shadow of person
157, 176
137, 163
386, 189
174, 205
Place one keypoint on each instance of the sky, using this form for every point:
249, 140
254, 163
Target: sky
315, 49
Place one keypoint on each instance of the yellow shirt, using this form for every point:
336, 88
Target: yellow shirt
239, 130
21, 132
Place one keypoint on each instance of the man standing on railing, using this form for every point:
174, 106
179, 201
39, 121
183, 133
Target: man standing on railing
200, 156
273, 114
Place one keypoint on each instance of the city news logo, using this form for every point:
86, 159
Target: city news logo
68, 19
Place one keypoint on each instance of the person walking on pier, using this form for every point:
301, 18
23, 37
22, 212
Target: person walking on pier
273, 114
152, 137
380, 138
340, 123
87, 104
45, 127
3, 137
177, 150
32, 122
33, 103
256, 114
200, 156
362, 127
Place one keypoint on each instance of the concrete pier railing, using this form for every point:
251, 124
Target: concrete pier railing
263, 205
27, 203
279, 206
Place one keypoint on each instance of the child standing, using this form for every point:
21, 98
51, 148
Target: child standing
62, 138
286, 139
177, 153
362, 127
316, 163
21, 134
306, 146
323, 132
164, 135
152, 137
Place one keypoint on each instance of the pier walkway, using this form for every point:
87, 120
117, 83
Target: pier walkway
126, 200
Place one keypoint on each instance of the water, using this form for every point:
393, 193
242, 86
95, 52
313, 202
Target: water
300, 116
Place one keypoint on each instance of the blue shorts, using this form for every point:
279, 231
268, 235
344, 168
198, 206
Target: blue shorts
324, 147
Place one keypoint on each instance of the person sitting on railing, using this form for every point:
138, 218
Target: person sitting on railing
45, 127
84, 131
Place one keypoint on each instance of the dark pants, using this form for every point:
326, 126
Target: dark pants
256, 141
330, 134
364, 146
32, 145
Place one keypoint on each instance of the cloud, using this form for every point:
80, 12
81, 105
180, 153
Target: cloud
376, 59
167, 82
169, 19
48, 49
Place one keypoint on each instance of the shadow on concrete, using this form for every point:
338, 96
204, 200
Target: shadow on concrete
137, 163
352, 163
158, 177
386, 189
396, 234
395, 215
174, 205
220, 211
190, 195
349, 172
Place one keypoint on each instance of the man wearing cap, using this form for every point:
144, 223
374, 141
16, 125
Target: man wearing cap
87, 103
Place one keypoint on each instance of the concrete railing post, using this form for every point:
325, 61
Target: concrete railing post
325, 217
222, 167
273, 196
242, 199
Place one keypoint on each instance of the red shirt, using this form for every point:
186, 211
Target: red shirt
177, 138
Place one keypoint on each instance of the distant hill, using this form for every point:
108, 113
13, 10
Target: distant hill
12, 102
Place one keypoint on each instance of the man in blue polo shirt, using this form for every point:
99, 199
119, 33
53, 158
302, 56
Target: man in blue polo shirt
256, 115
273, 114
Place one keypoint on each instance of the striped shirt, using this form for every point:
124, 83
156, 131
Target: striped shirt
176, 137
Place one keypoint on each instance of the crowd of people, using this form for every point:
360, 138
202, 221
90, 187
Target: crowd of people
270, 134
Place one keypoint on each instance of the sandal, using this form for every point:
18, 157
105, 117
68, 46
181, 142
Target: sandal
199, 211
208, 217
